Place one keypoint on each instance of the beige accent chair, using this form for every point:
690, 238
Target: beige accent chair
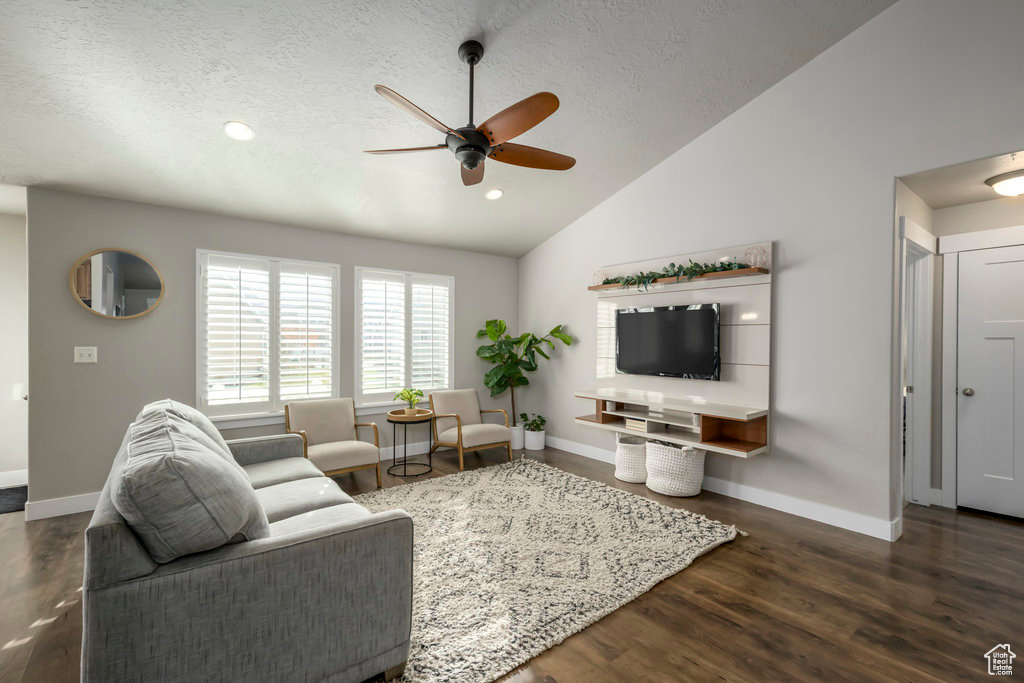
458, 424
329, 440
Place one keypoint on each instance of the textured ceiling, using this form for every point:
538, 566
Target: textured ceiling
125, 98
963, 183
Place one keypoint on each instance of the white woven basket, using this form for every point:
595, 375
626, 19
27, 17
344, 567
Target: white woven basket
673, 471
630, 455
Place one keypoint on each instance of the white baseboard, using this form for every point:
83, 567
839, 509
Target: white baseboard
13, 478
55, 507
844, 519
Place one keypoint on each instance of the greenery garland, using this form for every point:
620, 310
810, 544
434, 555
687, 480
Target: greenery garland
645, 280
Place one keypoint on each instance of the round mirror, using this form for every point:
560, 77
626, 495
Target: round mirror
116, 283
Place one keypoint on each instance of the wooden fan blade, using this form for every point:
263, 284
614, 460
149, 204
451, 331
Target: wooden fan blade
404, 149
472, 177
405, 105
519, 118
532, 157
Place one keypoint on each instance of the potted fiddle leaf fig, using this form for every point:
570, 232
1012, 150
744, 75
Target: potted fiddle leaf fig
410, 397
534, 431
512, 358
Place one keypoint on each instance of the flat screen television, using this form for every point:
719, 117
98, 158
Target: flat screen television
671, 341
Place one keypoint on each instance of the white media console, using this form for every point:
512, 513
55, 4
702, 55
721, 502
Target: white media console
741, 431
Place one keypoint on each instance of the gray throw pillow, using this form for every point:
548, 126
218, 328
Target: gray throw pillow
189, 414
180, 496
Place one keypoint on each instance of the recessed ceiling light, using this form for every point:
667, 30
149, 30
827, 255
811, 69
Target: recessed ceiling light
494, 194
236, 130
1008, 184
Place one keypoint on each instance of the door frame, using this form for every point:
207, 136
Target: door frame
950, 247
916, 338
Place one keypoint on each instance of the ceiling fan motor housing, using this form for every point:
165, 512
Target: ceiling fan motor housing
472, 151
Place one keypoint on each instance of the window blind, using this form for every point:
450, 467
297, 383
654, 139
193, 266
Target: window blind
237, 326
266, 333
404, 333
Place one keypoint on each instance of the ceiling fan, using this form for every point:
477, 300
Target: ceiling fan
471, 144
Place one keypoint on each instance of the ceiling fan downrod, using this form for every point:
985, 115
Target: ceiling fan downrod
471, 52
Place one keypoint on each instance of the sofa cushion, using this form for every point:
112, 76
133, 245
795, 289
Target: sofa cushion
302, 495
178, 495
278, 471
195, 417
322, 517
461, 402
342, 454
477, 435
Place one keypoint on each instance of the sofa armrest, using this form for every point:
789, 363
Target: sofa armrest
262, 448
312, 604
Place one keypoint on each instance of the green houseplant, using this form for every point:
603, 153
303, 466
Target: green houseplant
534, 426
513, 357
410, 397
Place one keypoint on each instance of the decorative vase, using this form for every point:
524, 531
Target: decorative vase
535, 441
517, 438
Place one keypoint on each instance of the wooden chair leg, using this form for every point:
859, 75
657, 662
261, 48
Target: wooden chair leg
378, 475
461, 464
508, 447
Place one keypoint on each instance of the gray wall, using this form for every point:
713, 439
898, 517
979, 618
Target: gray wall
78, 413
13, 344
809, 164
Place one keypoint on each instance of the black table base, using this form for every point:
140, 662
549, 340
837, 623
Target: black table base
401, 469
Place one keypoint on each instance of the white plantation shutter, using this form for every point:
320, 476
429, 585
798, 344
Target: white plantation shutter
306, 343
266, 333
404, 328
430, 337
382, 333
237, 325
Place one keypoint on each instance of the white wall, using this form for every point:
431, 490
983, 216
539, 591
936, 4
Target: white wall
1004, 212
13, 351
810, 164
79, 413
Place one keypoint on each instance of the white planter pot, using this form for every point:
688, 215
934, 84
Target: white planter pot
517, 438
535, 441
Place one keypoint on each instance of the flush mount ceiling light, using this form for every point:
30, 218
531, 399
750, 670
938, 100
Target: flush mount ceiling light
1008, 184
236, 130
496, 193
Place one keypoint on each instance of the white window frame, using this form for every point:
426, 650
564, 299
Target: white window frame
223, 413
378, 400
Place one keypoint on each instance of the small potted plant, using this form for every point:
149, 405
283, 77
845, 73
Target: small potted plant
534, 431
410, 397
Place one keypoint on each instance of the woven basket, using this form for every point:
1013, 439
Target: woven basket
630, 455
673, 471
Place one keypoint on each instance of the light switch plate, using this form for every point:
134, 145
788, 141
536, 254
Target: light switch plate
86, 354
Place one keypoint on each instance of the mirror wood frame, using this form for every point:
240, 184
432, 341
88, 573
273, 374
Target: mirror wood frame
82, 259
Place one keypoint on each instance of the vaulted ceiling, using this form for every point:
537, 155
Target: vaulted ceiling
125, 98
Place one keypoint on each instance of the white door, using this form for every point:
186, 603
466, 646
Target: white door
990, 379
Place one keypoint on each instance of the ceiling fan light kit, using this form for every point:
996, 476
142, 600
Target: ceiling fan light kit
472, 145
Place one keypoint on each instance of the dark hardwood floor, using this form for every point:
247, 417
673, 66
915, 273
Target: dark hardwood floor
794, 600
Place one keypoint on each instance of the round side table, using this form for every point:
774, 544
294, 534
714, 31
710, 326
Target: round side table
399, 417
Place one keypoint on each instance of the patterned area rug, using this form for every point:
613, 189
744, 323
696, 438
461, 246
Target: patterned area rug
513, 559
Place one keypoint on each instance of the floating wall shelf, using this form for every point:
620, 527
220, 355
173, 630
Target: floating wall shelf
721, 274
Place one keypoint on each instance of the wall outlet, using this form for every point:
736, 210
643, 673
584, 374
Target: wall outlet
86, 354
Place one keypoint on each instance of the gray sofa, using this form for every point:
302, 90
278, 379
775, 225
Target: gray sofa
302, 585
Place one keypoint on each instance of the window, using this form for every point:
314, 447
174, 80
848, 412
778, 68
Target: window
266, 333
403, 333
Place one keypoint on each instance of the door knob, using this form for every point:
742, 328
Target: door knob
968, 391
